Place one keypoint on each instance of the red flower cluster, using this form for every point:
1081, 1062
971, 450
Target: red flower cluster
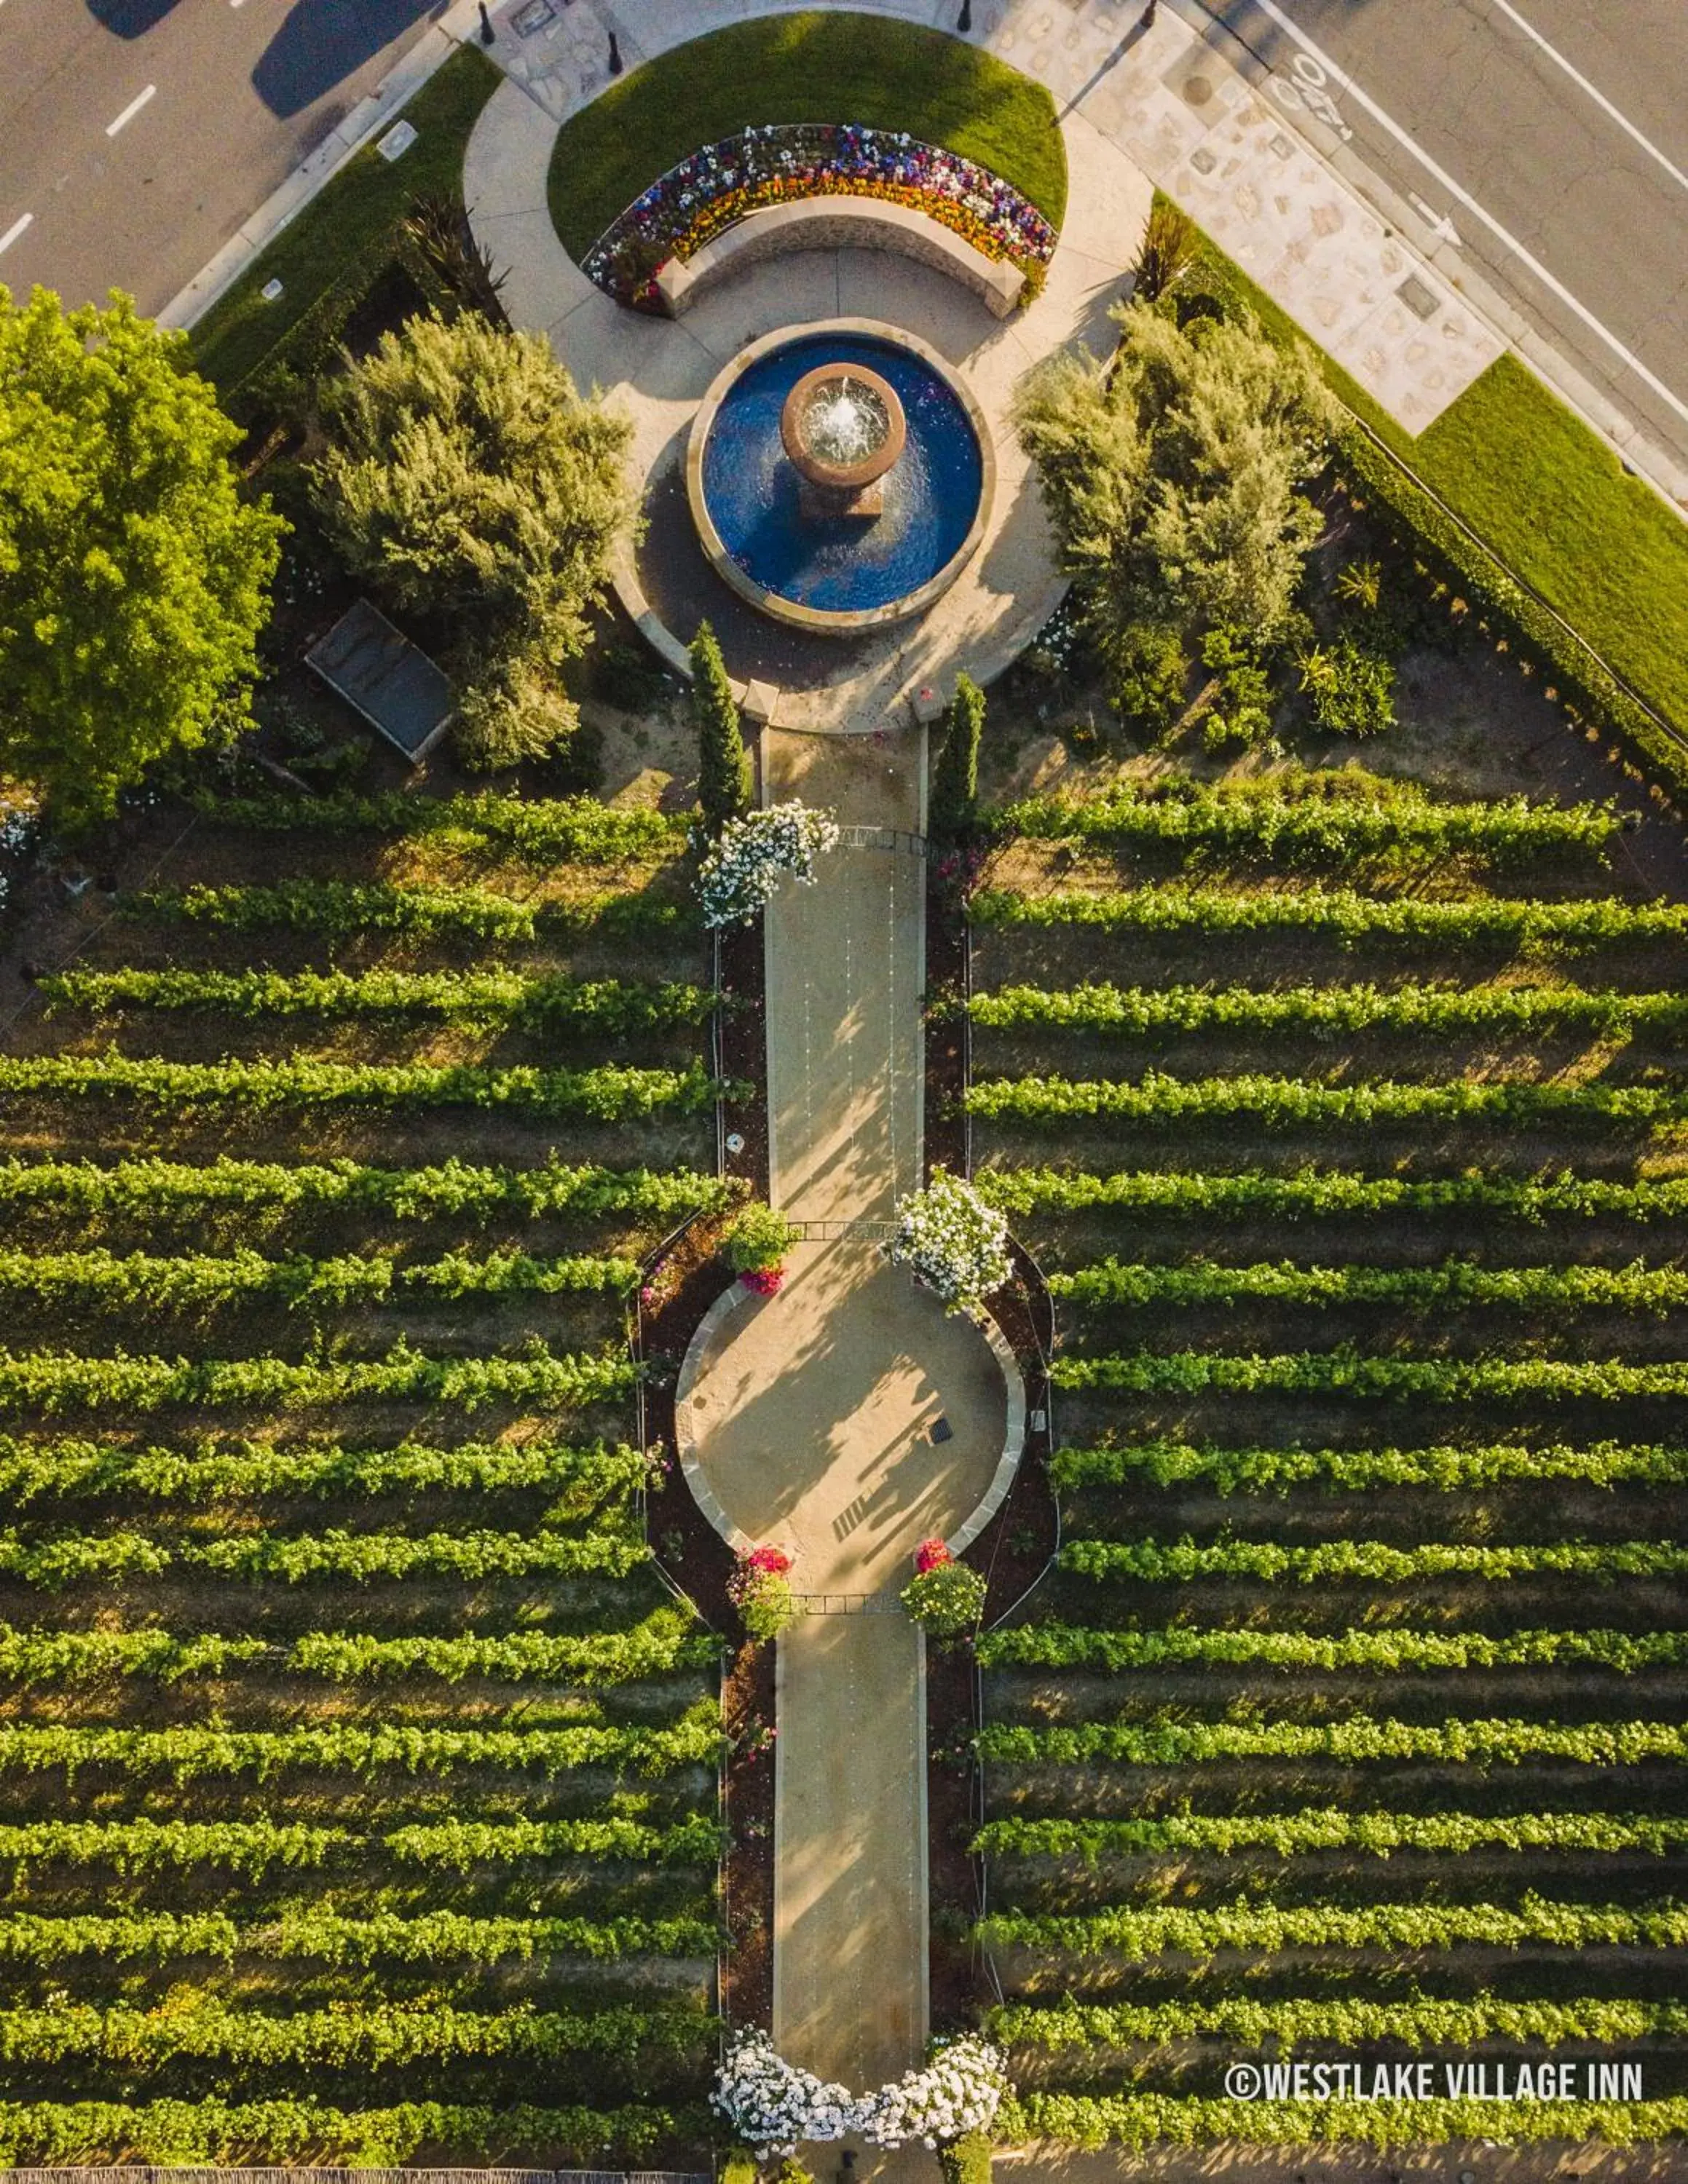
764, 1280
770, 1562
930, 1555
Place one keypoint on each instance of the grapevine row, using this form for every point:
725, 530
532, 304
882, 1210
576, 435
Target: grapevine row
425, 1937
1161, 2120
203, 2133
1340, 913
356, 2035
1269, 822
1334, 2021
151, 1187
1637, 1287
609, 1093
344, 910
1132, 1931
1344, 1372
252, 1847
1367, 1561
656, 1646
1362, 1470
588, 1475
1328, 1191
1277, 1102
1077, 1646
604, 1008
1297, 1834
198, 1278
570, 830
52, 1380
1477, 1741
1314, 1012
191, 1750
357, 1556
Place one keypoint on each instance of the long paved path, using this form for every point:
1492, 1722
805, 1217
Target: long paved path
845, 964
807, 1420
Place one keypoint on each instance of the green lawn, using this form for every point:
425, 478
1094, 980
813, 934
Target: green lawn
349, 222
1550, 499
804, 67
1547, 496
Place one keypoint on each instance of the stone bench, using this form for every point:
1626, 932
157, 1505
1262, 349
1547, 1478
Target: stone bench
839, 223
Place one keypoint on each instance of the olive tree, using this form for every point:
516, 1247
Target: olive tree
466, 479
1170, 473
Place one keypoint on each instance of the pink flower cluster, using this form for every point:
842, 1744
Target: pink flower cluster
930, 1555
768, 1562
764, 1280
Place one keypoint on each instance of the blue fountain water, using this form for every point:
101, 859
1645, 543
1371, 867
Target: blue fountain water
931, 496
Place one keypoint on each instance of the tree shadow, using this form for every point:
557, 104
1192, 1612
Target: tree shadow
129, 18
319, 45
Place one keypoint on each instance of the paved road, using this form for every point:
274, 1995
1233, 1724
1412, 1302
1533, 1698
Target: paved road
222, 98
1554, 133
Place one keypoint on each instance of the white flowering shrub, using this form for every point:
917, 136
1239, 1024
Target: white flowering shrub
752, 855
773, 2105
961, 2090
952, 1241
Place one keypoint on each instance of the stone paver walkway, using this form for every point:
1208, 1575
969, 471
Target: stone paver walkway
806, 1419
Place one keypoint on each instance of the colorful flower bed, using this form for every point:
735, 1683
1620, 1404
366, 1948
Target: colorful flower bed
702, 196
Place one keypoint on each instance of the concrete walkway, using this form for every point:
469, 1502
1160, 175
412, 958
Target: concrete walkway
806, 1419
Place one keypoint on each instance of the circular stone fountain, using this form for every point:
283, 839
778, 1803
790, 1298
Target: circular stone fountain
840, 478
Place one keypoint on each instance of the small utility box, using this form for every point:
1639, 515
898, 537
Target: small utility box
382, 675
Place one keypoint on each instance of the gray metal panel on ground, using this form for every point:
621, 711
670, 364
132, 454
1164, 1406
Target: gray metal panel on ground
391, 681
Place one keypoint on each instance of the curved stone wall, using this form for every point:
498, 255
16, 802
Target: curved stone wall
832, 223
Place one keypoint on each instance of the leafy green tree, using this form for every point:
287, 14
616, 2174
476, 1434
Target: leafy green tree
1170, 474
465, 478
955, 778
133, 578
722, 763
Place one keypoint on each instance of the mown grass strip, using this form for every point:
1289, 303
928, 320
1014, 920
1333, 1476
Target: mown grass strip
807, 67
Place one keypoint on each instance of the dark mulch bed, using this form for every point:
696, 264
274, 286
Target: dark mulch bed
742, 1051
947, 1042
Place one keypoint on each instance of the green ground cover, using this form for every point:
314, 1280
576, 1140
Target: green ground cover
1547, 496
1552, 500
349, 227
360, 1773
1351, 1716
804, 67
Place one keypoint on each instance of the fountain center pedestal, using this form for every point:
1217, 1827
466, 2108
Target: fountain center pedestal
842, 429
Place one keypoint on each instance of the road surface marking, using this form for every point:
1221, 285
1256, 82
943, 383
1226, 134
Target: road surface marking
129, 111
18, 226
1595, 93
1549, 281
1439, 223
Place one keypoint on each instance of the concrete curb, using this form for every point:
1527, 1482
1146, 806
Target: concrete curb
1013, 1435
457, 26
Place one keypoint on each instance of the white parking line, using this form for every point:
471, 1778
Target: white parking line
1594, 92
1457, 190
18, 226
129, 111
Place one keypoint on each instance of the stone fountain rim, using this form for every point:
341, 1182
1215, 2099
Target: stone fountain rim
843, 478
821, 620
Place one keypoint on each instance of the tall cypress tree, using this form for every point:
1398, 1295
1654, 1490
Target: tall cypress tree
723, 762
955, 777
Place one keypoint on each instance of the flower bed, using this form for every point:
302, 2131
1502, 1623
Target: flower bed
719, 184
